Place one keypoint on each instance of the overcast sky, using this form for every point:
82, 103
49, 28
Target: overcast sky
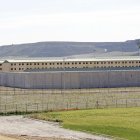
23, 21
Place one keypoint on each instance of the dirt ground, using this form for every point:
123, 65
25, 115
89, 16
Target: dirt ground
22, 128
7, 138
15, 137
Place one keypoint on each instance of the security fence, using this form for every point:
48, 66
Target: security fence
13, 100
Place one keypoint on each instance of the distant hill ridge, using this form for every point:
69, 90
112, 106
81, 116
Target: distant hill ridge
61, 49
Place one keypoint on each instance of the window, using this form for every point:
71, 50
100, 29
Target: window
11, 68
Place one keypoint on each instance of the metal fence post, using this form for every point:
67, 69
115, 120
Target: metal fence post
5, 109
116, 103
26, 108
126, 103
97, 104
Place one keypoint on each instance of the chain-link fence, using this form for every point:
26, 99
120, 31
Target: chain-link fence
22, 100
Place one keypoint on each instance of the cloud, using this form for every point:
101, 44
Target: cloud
98, 25
70, 19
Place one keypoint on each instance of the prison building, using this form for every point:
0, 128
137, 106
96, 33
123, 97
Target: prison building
53, 64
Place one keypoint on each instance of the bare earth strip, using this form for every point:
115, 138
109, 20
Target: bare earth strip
39, 130
6, 138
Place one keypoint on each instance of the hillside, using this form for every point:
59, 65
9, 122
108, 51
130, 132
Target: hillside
75, 49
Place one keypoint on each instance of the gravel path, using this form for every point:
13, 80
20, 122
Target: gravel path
18, 125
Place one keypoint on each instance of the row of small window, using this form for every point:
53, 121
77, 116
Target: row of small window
68, 63
118, 62
12, 69
17, 69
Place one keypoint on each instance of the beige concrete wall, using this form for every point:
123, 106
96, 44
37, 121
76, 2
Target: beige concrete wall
5, 67
71, 80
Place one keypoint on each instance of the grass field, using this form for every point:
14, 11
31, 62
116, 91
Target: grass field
117, 122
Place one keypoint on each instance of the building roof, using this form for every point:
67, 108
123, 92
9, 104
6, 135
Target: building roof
124, 58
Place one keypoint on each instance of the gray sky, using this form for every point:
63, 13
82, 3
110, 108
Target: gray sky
24, 21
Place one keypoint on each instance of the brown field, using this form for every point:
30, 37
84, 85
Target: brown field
7, 138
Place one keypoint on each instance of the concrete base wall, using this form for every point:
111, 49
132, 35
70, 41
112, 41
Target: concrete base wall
70, 80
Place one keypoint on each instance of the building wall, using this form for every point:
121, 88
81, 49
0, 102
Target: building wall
23, 66
70, 80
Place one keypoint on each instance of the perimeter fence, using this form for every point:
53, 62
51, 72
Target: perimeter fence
32, 100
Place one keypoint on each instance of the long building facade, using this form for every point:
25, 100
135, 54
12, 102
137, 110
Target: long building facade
47, 64
70, 73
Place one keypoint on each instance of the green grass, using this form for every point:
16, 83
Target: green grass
117, 122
